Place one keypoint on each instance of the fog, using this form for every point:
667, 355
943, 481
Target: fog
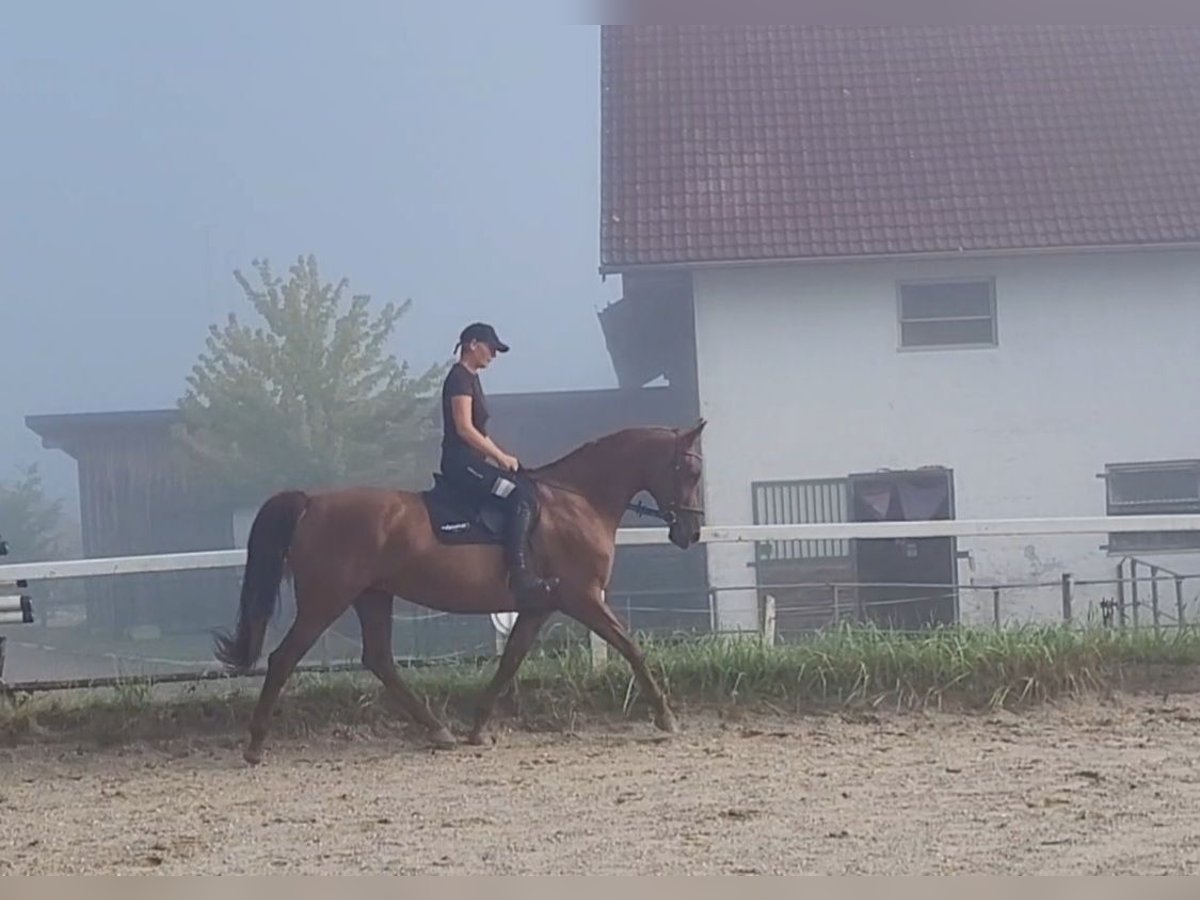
421, 151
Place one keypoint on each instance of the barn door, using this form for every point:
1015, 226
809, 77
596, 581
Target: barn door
905, 583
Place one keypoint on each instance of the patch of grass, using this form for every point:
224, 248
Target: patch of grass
851, 666
970, 668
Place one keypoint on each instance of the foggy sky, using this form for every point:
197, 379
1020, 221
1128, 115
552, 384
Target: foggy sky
446, 154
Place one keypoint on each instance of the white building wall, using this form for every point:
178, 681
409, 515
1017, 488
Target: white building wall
1098, 361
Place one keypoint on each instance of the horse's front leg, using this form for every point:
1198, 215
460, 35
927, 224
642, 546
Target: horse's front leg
593, 611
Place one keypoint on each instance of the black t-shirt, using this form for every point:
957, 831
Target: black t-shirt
460, 381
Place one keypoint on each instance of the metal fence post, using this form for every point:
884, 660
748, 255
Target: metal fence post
1121, 594
996, 607
1133, 590
1154, 597
1178, 601
1066, 597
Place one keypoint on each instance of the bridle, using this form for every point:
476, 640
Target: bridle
670, 515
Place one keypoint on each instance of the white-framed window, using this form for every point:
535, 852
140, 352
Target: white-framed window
1153, 488
947, 314
801, 502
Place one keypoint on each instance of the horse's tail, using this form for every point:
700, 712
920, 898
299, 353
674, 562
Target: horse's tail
266, 550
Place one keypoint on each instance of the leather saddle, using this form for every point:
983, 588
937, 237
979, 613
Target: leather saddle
460, 518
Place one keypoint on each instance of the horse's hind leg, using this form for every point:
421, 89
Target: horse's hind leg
374, 610
520, 640
596, 615
305, 630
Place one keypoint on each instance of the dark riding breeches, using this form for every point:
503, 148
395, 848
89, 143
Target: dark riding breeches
484, 481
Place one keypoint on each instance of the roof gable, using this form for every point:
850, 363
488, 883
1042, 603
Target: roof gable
784, 142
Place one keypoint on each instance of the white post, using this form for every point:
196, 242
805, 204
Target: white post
599, 648
597, 645
503, 623
768, 626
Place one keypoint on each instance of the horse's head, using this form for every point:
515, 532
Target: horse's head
675, 486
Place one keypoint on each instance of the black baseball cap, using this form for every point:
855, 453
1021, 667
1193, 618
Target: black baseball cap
484, 333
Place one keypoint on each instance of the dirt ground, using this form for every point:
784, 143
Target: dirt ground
1103, 788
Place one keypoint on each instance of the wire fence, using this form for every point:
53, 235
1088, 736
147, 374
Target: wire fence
1158, 599
167, 619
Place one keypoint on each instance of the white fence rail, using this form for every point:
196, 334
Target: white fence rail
729, 534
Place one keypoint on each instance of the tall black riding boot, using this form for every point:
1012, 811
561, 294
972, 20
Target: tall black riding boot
529, 590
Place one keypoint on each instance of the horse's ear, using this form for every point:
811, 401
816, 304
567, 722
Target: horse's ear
694, 432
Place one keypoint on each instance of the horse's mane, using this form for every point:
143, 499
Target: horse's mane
596, 443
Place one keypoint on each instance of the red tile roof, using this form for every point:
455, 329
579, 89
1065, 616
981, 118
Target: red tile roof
790, 141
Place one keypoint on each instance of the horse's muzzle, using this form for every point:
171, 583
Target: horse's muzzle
683, 534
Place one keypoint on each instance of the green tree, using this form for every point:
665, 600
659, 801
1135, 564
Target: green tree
34, 527
311, 400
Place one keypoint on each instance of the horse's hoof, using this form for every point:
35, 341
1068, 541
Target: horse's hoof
443, 738
252, 756
667, 723
479, 739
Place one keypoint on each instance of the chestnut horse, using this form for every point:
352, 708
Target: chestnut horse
361, 547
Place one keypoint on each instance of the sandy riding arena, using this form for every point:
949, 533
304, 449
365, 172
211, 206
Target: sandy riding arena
1106, 787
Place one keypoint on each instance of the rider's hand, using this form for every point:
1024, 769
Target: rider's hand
510, 463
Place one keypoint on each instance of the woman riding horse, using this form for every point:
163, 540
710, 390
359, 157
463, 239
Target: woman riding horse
473, 462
